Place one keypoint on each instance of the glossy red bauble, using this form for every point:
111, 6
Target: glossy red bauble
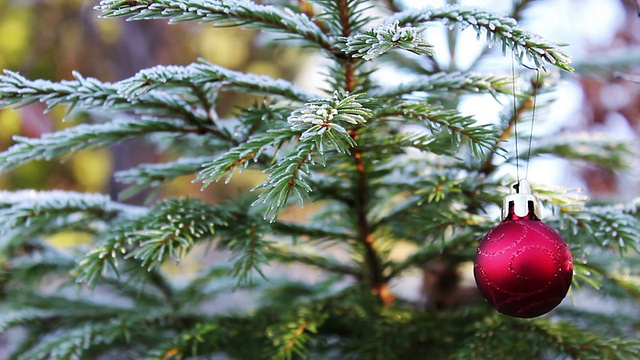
523, 267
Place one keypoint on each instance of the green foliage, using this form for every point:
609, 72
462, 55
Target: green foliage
448, 82
606, 226
390, 167
597, 149
448, 128
497, 29
30, 213
328, 118
85, 136
222, 13
378, 41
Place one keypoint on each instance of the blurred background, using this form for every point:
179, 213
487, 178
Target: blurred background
50, 38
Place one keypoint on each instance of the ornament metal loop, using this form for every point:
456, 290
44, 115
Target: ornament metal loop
521, 202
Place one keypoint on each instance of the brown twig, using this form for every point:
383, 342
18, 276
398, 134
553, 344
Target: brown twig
379, 286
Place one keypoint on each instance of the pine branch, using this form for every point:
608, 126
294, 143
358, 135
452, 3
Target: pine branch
447, 83
23, 213
286, 176
84, 136
384, 37
239, 157
451, 127
261, 116
499, 337
211, 283
344, 17
104, 257
321, 121
616, 324
15, 317
291, 336
498, 29
577, 342
326, 120
18, 203
203, 73
15, 89
514, 115
136, 93
222, 13
611, 63
517, 11
251, 252
435, 143
596, 148
90, 93
171, 229
597, 272
67, 328
606, 226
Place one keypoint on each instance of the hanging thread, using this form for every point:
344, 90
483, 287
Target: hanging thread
536, 86
515, 114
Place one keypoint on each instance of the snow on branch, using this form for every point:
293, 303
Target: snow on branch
329, 118
203, 73
29, 212
614, 227
40, 202
384, 37
449, 82
150, 91
320, 121
500, 29
90, 93
222, 13
170, 230
54, 145
85, 92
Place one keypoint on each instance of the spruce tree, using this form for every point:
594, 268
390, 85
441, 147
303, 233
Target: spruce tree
386, 164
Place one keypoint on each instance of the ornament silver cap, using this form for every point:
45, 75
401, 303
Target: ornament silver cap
521, 202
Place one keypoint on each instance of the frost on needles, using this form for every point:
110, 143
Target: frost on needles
389, 165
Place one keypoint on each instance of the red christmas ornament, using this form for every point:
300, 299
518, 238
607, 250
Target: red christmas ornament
523, 267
